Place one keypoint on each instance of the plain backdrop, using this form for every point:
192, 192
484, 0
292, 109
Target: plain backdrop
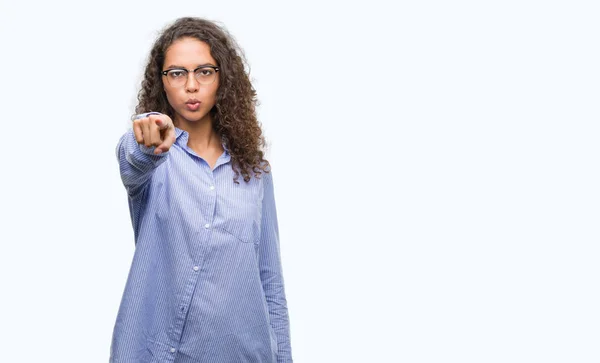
435, 166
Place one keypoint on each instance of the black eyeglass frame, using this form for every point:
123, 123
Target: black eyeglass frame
166, 72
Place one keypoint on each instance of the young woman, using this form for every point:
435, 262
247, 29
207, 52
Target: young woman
206, 282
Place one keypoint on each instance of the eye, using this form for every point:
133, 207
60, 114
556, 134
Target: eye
177, 73
205, 72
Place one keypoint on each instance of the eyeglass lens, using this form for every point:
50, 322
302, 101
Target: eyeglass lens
178, 77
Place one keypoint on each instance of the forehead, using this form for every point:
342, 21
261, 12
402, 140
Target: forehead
188, 52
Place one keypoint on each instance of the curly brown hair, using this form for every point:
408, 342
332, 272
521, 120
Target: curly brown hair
234, 114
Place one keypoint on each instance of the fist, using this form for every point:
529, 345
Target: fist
155, 130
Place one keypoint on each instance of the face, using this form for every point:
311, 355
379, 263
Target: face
190, 53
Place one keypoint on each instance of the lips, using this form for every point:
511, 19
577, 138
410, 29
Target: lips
192, 104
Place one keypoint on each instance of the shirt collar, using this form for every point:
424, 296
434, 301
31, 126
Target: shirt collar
181, 138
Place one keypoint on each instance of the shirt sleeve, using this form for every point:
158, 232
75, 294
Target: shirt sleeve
271, 273
136, 161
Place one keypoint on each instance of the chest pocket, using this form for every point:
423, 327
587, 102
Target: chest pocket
239, 207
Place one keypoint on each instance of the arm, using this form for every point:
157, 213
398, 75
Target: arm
136, 161
271, 273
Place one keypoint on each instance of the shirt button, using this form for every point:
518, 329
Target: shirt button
172, 350
212, 187
196, 268
206, 225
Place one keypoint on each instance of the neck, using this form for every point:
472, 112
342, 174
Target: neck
202, 136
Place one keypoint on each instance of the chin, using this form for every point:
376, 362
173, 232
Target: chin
193, 116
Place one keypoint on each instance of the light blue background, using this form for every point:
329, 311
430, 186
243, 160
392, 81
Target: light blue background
437, 173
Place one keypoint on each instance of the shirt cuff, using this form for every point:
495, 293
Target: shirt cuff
149, 150
145, 114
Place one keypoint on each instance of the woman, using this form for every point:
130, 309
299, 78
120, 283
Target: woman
206, 282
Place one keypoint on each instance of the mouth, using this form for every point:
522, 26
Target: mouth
192, 105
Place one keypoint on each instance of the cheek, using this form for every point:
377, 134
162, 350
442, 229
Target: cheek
208, 97
211, 93
170, 96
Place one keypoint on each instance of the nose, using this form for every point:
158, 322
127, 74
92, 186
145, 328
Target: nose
192, 83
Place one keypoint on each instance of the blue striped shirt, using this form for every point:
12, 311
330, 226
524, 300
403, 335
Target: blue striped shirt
205, 284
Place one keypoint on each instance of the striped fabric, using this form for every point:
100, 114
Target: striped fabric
206, 283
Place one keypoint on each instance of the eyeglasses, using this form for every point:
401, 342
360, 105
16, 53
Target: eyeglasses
177, 77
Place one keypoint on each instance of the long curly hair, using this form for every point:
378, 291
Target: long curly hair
234, 113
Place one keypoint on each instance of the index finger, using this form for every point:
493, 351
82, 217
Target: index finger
168, 141
159, 120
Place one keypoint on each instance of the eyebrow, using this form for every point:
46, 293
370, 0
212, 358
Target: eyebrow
200, 65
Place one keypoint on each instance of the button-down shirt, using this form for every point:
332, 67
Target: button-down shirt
206, 283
